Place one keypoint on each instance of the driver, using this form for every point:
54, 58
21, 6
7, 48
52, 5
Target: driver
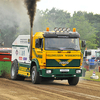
71, 43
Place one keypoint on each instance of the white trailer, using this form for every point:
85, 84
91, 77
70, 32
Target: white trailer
21, 49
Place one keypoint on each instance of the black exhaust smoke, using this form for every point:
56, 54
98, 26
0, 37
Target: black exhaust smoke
31, 7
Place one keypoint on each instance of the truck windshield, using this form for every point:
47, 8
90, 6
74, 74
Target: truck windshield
62, 44
98, 54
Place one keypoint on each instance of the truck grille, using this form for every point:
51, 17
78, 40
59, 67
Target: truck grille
62, 63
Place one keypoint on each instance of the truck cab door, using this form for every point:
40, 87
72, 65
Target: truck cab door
39, 49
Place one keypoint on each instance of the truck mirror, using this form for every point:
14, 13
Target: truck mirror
83, 43
85, 53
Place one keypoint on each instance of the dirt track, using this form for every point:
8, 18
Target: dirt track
57, 90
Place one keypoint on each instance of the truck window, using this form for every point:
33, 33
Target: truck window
87, 53
39, 43
97, 54
62, 44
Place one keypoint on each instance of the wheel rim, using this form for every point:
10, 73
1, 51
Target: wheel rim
13, 71
33, 75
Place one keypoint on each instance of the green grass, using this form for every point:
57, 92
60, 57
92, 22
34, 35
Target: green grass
88, 74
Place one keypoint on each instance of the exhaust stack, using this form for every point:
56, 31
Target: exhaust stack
31, 42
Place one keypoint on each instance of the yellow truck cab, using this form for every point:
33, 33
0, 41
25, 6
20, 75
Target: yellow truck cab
56, 55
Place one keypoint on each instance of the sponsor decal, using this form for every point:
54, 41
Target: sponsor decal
20, 58
54, 55
73, 55
25, 69
6, 59
23, 41
22, 48
22, 52
24, 58
39, 56
28, 41
16, 52
22, 68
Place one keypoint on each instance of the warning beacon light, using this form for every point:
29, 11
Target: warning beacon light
47, 29
60, 29
64, 29
56, 29
74, 29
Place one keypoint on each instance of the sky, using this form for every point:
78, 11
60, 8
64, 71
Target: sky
71, 5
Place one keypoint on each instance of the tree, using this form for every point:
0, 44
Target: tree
86, 30
94, 19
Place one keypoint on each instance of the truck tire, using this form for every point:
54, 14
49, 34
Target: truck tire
14, 71
73, 80
36, 79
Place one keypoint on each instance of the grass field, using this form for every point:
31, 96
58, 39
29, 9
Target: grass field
88, 74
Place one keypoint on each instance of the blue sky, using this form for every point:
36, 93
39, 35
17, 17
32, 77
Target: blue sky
71, 5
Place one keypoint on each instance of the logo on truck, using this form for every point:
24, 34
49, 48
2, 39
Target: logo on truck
16, 52
20, 58
24, 58
63, 63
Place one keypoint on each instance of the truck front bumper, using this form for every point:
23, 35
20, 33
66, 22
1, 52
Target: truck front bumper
60, 73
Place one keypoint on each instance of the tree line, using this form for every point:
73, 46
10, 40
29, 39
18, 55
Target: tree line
13, 24
87, 24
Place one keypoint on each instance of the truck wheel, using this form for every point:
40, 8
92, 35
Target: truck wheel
73, 80
14, 71
36, 79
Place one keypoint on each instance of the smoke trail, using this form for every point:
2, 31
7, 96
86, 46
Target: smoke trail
31, 7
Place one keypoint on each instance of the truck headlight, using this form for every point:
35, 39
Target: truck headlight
48, 71
78, 71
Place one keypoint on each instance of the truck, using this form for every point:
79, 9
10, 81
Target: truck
48, 56
98, 56
89, 58
98, 59
90, 54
